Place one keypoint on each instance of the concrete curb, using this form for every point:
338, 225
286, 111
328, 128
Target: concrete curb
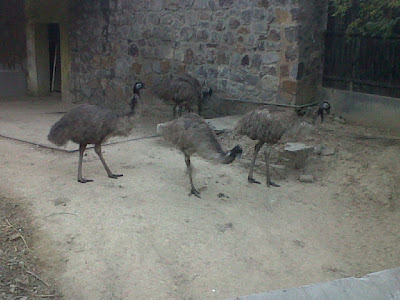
384, 285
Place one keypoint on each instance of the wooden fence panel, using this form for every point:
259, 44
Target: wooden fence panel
361, 64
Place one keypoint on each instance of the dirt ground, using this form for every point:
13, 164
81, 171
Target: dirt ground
142, 237
19, 267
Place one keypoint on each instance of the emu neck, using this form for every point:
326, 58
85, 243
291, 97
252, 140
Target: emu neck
134, 103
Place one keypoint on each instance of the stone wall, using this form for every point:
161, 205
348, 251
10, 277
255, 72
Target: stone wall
250, 49
312, 17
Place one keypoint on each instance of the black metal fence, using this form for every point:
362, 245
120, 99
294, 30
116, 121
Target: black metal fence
361, 64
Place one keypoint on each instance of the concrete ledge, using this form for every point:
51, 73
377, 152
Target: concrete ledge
365, 109
383, 285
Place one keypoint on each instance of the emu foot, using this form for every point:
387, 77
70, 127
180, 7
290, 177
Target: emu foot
271, 183
252, 180
194, 192
115, 176
84, 180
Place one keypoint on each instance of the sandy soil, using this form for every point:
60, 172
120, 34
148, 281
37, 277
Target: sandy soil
19, 267
142, 237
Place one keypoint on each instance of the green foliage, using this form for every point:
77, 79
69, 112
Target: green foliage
369, 17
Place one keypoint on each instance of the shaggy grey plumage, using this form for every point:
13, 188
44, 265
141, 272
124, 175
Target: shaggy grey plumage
92, 124
182, 89
191, 134
267, 126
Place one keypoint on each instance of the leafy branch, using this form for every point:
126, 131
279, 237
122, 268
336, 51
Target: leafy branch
369, 17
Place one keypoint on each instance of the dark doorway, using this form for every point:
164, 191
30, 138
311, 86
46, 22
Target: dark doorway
55, 57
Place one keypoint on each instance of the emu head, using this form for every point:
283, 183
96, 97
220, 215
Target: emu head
325, 106
137, 87
236, 151
136, 95
232, 154
206, 93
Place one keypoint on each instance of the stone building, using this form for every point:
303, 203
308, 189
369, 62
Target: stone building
263, 50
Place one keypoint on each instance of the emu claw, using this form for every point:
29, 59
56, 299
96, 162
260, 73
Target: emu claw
84, 180
195, 192
252, 180
115, 176
271, 183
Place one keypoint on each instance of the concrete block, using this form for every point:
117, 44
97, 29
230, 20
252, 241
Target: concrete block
306, 178
224, 123
296, 154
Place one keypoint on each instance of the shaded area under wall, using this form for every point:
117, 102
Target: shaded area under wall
365, 109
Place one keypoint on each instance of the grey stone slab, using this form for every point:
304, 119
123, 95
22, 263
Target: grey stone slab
223, 123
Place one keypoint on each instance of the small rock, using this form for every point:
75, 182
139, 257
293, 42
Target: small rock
222, 195
339, 120
277, 167
327, 151
21, 264
61, 201
318, 149
296, 147
223, 227
306, 178
299, 243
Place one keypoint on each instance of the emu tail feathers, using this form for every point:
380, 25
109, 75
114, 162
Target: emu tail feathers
59, 133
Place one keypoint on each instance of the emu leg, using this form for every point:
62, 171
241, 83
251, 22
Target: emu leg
267, 154
193, 190
199, 108
82, 148
179, 110
97, 149
253, 161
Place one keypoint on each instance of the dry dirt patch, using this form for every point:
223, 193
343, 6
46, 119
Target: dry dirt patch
20, 270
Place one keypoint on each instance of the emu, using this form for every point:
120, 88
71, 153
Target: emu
324, 107
191, 134
92, 124
267, 126
184, 90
